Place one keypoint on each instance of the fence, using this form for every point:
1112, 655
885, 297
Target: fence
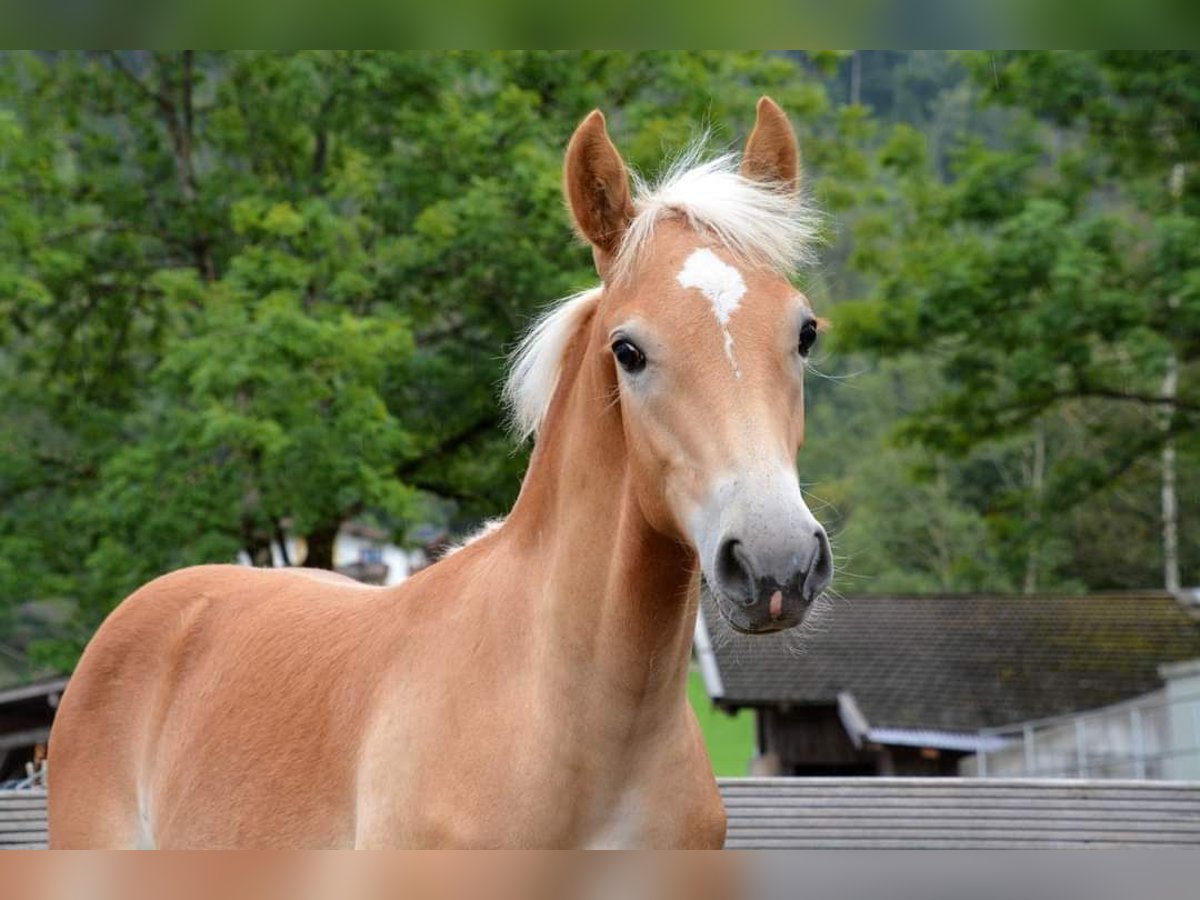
1156, 736
880, 813
22, 819
958, 813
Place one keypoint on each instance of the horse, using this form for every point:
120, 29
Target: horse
529, 690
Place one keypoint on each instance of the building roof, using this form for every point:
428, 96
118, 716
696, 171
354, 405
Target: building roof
32, 622
957, 663
37, 690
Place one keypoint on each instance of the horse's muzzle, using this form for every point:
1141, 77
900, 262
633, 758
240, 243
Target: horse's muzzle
773, 588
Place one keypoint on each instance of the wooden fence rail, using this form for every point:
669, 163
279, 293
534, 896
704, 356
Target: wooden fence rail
863, 813
22, 820
950, 813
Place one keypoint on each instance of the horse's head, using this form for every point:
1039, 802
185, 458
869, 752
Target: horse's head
707, 342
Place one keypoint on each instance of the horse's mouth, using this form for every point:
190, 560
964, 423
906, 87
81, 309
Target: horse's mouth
738, 619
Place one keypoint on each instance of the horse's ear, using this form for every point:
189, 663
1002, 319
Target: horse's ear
597, 188
772, 154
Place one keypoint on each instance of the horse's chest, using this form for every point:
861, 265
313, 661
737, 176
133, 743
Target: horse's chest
624, 826
546, 793
648, 818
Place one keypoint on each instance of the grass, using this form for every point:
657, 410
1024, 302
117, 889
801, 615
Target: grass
730, 739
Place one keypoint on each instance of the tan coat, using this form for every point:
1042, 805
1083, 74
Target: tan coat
529, 690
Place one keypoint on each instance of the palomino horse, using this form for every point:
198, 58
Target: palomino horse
529, 690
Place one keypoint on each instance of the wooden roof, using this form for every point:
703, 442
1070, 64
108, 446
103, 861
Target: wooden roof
959, 663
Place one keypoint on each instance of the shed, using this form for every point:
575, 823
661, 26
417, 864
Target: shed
26, 714
908, 685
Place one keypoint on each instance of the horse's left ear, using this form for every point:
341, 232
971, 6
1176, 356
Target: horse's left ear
597, 189
772, 154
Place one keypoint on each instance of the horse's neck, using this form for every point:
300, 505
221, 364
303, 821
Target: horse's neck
614, 601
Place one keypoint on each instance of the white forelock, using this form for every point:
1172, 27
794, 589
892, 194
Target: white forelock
758, 223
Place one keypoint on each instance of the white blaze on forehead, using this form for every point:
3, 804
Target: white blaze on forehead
724, 287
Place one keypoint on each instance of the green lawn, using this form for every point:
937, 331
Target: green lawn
730, 739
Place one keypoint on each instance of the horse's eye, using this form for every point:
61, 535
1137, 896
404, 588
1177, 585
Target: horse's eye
628, 355
808, 336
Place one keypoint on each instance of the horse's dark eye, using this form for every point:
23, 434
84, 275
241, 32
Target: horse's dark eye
628, 355
808, 336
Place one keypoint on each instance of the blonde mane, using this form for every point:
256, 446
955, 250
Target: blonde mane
758, 223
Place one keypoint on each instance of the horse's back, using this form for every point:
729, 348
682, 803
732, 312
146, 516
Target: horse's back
208, 677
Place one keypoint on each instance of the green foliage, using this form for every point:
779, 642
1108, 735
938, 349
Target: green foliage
239, 290
897, 524
1049, 278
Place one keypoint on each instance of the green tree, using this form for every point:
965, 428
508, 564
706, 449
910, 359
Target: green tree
1051, 279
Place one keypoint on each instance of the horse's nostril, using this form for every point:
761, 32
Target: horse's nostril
820, 570
825, 560
733, 574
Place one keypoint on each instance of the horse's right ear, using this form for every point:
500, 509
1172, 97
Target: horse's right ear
597, 188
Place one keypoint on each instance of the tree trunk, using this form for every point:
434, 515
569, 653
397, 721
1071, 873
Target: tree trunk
1170, 500
320, 543
1170, 390
281, 539
1037, 478
178, 114
940, 536
855, 77
257, 544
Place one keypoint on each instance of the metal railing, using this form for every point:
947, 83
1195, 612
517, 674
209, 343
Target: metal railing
1149, 738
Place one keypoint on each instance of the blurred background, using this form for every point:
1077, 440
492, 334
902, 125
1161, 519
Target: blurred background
255, 307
